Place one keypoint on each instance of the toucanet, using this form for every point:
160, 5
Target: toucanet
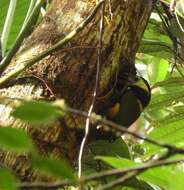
128, 105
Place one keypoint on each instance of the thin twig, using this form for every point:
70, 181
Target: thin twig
52, 49
87, 126
45, 185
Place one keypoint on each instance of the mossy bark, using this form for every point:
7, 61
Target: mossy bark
70, 74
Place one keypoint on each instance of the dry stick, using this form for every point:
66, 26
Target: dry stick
57, 46
87, 126
98, 176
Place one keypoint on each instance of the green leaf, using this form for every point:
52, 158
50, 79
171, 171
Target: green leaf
7, 180
128, 188
175, 28
120, 163
154, 31
155, 16
135, 184
3, 12
147, 186
170, 177
171, 133
54, 167
117, 162
7, 25
172, 118
157, 69
20, 13
117, 148
36, 112
160, 101
180, 8
155, 48
15, 140
120, 148
170, 82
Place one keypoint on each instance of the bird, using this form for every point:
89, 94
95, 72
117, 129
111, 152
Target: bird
127, 105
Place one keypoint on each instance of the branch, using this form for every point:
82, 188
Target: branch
44, 185
52, 49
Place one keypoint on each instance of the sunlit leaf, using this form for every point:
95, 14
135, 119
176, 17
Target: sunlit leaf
36, 112
15, 140
20, 13
170, 178
53, 167
166, 176
160, 101
171, 133
155, 48
157, 69
7, 180
180, 8
117, 162
117, 148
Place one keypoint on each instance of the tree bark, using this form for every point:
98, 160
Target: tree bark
70, 73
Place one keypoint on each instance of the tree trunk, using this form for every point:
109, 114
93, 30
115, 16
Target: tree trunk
70, 73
